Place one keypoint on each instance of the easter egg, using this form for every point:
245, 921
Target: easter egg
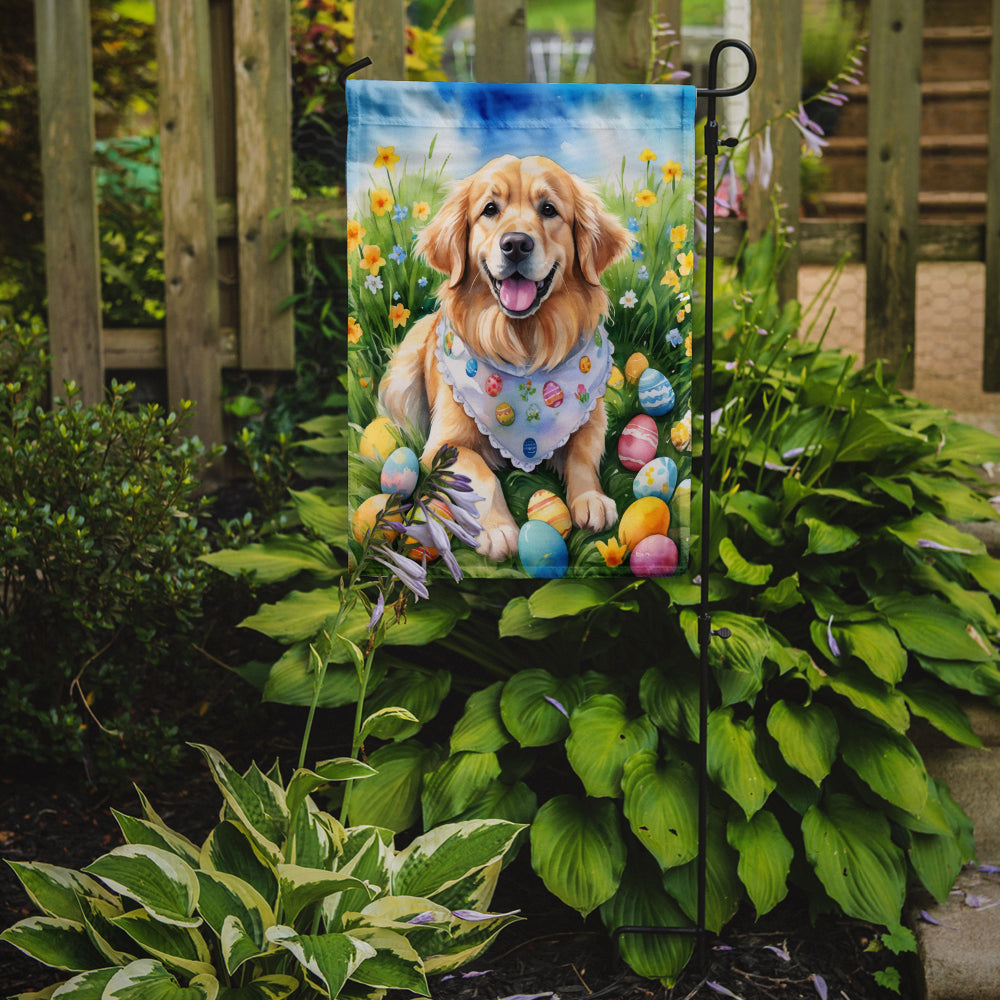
530, 447
365, 517
379, 439
494, 385
471, 367
400, 472
542, 551
585, 364
545, 506
616, 380
438, 509
655, 555
552, 395
642, 518
505, 414
634, 367
638, 441
656, 395
657, 478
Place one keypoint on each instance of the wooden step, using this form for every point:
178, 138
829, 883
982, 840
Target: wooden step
938, 13
956, 53
958, 206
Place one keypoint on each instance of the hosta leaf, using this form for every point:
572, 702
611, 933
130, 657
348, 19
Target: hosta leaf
391, 798
928, 528
529, 706
326, 520
301, 887
147, 979
958, 502
395, 964
291, 680
516, 803
274, 987
180, 948
578, 851
466, 941
871, 435
560, 598
937, 860
87, 986
481, 728
56, 891
304, 782
758, 511
516, 620
965, 443
641, 901
932, 628
417, 690
976, 678
141, 831
159, 881
330, 959
671, 700
828, 539
986, 572
732, 760
230, 849
98, 916
601, 739
850, 848
54, 941
279, 558
975, 605
738, 661
661, 799
876, 646
785, 594
225, 897
936, 704
888, 763
807, 736
765, 858
386, 723
366, 855
864, 691
456, 784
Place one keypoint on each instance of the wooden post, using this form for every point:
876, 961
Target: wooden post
622, 40
380, 34
893, 183
991, 332
501, 41
261, 41
776, 35
72, 255
190, 254
666, 15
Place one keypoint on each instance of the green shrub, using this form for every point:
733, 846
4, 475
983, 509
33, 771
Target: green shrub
101, 584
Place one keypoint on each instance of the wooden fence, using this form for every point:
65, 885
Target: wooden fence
226, 162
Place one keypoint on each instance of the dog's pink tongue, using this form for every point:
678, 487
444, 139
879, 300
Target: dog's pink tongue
517, 294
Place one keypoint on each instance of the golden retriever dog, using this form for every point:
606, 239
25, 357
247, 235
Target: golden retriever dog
522, 243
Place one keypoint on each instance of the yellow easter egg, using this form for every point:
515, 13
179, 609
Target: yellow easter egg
365, 517
545, 506
379, 439
616, 380
439, 510
634, 367
647, 516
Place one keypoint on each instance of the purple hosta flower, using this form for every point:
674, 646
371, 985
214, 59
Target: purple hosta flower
373, 283
557, 704
411, 574
466, 975
427, 917
674, 338
400, 212
780, 952
989, 869
927, 918
531, 996
637, 251
728, 195
820, 984
760, 165
834, 648
642, 274
812, 134
475, 915
398, 253
719, 988
633, 224
377, 612
927, 543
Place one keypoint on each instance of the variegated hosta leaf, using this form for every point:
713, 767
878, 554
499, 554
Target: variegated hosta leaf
54, 941
765, 858
732, 760
535, 706
467, 941
230, 849
888, 763
315, 838
850, 847
578, 851
301, 887
395, 964
807, 736
141, 831
329, 959
456, 784
304, 782
225, 897
515, 803
661, 799
147, 979
481, 727
116, 946
441, 857
158, 880
602, 737
177, 947
56, 891
367, 853
476, 890
86, 986
275, 987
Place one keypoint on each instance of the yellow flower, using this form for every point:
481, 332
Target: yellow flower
671, 279
647, 155
687, 345
372, 258
682, 312
354, 330
355, 232
382, 201
678, 234
686, 262
421, 210
680, 433
348, 270
672, 171
612, 552
387, 157
364, 382
645, 198
398, 314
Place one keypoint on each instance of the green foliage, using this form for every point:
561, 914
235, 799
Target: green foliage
101, 587
279, 899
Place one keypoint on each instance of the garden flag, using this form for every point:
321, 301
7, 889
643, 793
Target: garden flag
520, 262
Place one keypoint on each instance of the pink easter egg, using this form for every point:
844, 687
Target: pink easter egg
638, 441
494, 385
654, 555
552, 394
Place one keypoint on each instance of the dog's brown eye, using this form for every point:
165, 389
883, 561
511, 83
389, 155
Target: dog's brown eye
490, 209
549, 210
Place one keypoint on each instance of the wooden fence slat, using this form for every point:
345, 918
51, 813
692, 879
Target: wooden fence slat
262, 61
501, 38
380, 34
622, 40
893, 184
991, 331
72, 256
190, 253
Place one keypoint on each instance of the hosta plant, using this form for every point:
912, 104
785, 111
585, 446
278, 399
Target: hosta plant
279, 900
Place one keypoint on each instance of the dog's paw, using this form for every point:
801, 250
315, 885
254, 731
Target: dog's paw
498, 541
594, 511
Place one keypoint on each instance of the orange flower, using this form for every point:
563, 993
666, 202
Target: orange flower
672, 171
354, 330
382, 201
372, 258
421, 210
399, 315
646, 155
355, 232
612, 552
678, 234
645, 198
387, 157
671, 279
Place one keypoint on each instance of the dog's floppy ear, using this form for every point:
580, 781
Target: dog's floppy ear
600, 238
444, 240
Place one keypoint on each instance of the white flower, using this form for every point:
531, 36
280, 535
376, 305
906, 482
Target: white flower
373, 283
629, 299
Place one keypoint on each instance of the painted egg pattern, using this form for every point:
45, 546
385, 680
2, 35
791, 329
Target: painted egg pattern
378, 440
656, 395
585, 364
642, 518
552, 395
471, 367
505, 414
545, 506
634, 368
400, 472
616, 380
638, 442
654, 555
542, 551
494, 385
530, 447
366, 515
657, 478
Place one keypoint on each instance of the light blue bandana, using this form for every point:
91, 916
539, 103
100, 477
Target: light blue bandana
526, 416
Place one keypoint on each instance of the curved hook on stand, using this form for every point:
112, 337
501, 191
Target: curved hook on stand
353, 68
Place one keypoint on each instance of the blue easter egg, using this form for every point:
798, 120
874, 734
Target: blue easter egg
542, 551
530, 447
657, 478
400, 472
656, 395
471, 367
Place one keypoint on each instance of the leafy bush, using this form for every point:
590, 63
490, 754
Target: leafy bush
99, 539
279, 899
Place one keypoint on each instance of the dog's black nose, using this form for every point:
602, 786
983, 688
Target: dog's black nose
516, 246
